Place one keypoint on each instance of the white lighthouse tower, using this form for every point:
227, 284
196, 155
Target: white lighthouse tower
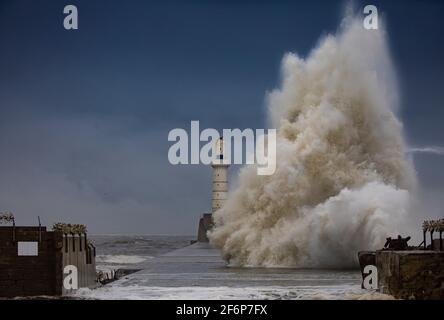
220, 177
220, 190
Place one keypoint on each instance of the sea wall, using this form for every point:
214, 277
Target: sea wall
411, 274
30, 275
77, 252
366, 258
41, 273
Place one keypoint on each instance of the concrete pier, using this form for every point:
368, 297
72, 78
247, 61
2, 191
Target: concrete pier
201, 265
198, 272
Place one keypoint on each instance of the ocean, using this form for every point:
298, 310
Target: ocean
133, 251
172, 269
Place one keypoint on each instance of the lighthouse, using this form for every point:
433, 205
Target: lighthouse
220, 190
220, 177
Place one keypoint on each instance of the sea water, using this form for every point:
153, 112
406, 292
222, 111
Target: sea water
172, 269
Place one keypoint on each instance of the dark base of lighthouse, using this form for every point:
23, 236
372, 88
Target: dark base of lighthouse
205, 224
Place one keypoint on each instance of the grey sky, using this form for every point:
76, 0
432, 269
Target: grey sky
84, 115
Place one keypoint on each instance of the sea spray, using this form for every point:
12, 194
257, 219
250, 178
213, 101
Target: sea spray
342, 181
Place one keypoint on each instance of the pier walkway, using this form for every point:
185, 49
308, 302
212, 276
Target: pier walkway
198, 272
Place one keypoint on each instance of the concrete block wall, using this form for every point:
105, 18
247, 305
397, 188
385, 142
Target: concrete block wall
411, 274
30, 275
77, 252
43, 274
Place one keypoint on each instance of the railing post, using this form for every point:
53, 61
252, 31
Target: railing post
440, 241
40, 230
65, 236
431, 238
13, 230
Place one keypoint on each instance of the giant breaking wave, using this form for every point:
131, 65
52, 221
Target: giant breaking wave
342, 182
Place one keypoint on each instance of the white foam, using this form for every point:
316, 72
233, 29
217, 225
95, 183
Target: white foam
121, 259
135, 292
343, 182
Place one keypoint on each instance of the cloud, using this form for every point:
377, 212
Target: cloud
436, 150
109, 172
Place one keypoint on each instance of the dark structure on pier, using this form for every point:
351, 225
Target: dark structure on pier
205, 224
32, 261
399, 243
408, 272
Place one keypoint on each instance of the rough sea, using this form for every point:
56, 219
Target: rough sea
132, 251
171, 269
